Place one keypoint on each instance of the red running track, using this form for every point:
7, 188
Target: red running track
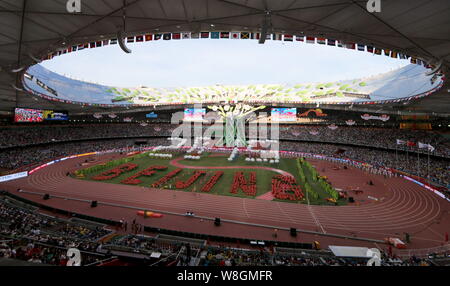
402, 207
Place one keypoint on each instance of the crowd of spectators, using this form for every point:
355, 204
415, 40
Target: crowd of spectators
37, 252
143, 244
370, 136
35, 237
438, 167
364, 136
16, 220
20, 157
27, 235
437, 171
224, 256
27, 135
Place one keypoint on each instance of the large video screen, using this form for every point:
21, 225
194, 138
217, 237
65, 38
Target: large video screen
194, 114
151, 115
37, 115
54, 115
28, 115
284, 114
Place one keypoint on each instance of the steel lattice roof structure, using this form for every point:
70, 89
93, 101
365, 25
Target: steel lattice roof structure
30, 29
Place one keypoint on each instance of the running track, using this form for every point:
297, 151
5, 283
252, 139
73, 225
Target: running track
404, 206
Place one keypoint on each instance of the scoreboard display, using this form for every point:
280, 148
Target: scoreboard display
38, 115
28, 115
194, 114
284, 114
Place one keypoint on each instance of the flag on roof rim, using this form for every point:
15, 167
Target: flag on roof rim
245, 35
288, 38
130, 39
176, 36
140, 38
224, 35
204, 35
234, 35
167, 36
331, 42
148, 37
321, 41
310, 40
186, 35
254, 36
300, 38
215, 35
276, 37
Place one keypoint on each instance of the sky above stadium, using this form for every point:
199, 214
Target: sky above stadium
203, 62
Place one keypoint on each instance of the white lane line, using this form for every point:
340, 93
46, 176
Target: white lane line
245, 208
315, 219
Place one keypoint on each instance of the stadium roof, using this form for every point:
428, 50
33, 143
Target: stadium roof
30, 29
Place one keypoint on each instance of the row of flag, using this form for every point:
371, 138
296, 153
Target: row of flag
244, 35
420, 145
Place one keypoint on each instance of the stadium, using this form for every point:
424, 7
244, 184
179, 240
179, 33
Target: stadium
338, 172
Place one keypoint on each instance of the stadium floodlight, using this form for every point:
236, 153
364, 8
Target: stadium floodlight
438, 65
121, 41
121, 34
15, 87
19, 69
265, 27
34, 58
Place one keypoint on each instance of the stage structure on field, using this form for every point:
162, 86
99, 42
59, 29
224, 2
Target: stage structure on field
235, 116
